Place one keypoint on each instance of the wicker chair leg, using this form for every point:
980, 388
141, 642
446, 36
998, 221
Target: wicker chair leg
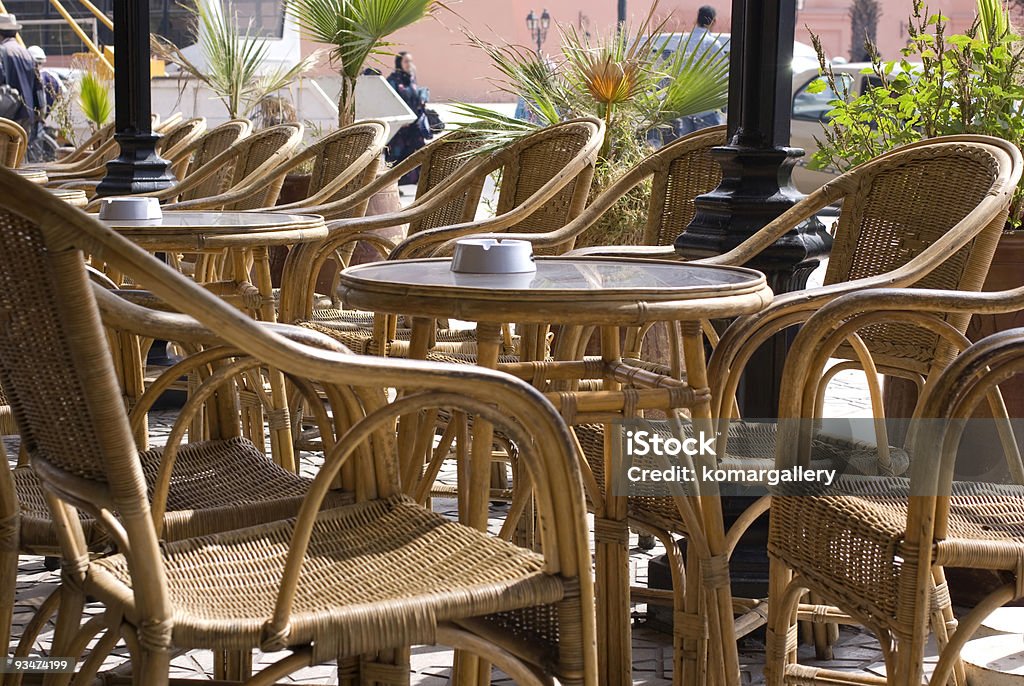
780, 642
8, 588
693, 627
153, 668
820, 634
69, 622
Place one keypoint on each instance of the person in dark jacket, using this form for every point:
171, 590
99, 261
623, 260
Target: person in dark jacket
18, 70
411, 137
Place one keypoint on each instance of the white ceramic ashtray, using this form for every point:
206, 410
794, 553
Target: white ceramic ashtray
130, 208
493, 256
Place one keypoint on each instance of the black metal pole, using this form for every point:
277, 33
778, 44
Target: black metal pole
622, 12
138, 169
755, 189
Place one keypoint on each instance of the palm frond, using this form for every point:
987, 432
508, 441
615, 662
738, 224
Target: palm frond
94, 98
356, 29
490, 130
235, 59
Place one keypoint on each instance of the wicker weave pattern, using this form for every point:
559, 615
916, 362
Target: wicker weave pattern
694, 172
213, 485
442, 159
13, 144
209, 145
903, 211
334, 157
366, 556
862, 524
535, 165
42, 338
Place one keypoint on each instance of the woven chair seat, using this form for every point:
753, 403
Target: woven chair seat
215, 486
848, 541
750, 446
376, 575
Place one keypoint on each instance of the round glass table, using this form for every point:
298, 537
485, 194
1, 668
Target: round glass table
608, 293
585, 290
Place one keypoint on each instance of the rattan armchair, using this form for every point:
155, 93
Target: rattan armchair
203, 487
888, 538
100, 139
342, 163
245, 162
358, 583
13, 143
888, 233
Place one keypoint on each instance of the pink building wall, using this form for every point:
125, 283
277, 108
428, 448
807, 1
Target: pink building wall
455, 71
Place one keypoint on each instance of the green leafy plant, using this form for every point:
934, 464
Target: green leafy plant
355, 30
94, 99
943, 84
627, 78
235, 60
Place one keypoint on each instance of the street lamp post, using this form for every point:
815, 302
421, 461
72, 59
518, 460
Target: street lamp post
538, 27
138, 169
756, 166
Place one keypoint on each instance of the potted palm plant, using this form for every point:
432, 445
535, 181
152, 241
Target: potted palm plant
235, 60
355, 30
625, 77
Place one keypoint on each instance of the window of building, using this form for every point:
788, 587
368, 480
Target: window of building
266, 17
45, 27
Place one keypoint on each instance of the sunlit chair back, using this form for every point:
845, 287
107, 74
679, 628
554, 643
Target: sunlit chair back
340, 164
680, 171
438, 162
180, 137
545, 180
208, 146
896, 207
246, 161
13, 143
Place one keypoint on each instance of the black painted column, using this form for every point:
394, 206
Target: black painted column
138, 169
757, 164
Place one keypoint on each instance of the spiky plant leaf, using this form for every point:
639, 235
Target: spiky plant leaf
94, 98
235, 59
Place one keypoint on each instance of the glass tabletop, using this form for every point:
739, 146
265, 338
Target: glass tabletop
217, 220
562, 274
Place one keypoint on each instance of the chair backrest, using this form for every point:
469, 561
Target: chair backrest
334, 154
246, 161
181, 136
541, 157
896, 206
682, 170
438, 161
13, 143
56, 368
208, 146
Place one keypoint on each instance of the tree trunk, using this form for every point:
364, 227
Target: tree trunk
864, 24
347, 102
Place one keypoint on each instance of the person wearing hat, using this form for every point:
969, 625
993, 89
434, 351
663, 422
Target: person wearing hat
52, 87
19, 73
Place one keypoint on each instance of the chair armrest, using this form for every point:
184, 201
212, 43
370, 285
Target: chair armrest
133, 312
